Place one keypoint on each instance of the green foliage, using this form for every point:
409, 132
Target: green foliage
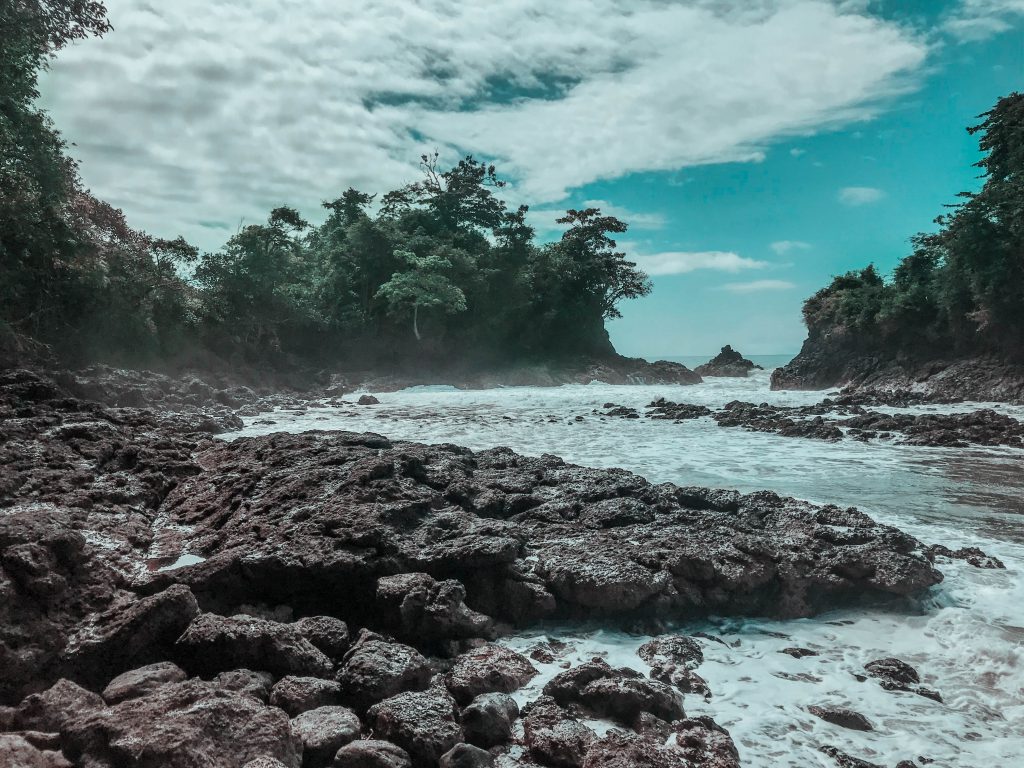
961, 290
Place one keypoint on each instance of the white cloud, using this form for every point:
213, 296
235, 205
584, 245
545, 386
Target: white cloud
635, 219
975, 20
797, 152
681, 262
855, 196
757, 286
192, 115
782, 247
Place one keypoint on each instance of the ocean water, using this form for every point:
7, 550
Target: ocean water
966, 640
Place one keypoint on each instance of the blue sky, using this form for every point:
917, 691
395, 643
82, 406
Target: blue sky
756, 147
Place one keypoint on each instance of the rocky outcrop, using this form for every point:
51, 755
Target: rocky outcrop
728, 363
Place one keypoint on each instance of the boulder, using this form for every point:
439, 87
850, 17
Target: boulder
139, 682
323, 732
192, 724
265, 762
554, 736
17, 752
841, 716
417, 607
328, 634
213, 644
423, 723
896, 675
296, 695
488, 719
488, 669
51, 709
672, 660
705, 743
246, 681
728, 363
618, 749
372, 753
376, 668
619, 693
466, 756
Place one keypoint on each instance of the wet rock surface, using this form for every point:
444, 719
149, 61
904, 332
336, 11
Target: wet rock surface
728, 363
242, 653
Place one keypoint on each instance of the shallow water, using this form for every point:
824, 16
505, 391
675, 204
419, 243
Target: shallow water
967, 641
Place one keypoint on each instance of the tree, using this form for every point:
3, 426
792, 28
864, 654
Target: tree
423, 285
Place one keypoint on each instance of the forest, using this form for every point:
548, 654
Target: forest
441, 271
960, 291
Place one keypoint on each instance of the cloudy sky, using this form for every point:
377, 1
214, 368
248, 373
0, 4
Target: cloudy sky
756, 147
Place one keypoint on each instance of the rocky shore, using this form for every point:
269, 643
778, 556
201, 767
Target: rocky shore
332, 598
824, 364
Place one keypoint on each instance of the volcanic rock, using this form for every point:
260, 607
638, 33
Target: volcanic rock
376, 669
141, 681
488, 669
488, 719
323, 732
424, 723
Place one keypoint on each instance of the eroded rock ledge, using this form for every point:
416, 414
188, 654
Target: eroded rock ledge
170, 599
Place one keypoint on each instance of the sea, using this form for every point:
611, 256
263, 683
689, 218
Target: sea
966, 637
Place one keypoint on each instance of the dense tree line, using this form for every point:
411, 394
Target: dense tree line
961, 289
439, 270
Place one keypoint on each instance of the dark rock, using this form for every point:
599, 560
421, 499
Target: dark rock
296, 695
466, 756
246, 681
971, 555
619, 693
665, 409
141, 681
729, 363
618, 749
323, 732
705, 743
213, 644
672, 660
423, 723
16, 752
372, 753
844, 760
488, 719
367, 400
376, 669
51, 709
554, 736
417, 607
799, 653
842, 716
191, 724
896, 675
265, 762
328, 634
488, 669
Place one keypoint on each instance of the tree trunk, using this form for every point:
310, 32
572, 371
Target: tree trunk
415, 314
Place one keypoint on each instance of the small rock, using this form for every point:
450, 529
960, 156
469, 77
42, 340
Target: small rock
139, 682
798, 653
555, 737
296, 695
466, 756
841, 716
424, 723
254, 684
367, 400
376, 669
54, 707
488, 669
327, 633
487, 720
372, 753
844, 760
323, 732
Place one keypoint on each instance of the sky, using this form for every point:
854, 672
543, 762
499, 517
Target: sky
756, 148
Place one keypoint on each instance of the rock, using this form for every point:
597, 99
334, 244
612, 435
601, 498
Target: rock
728, 363
16, 752
139, 682
466, 756
672, 660
842, 716
367, 400
296, 695
619, 693
265, 762
896, 675
192, 724
328, 634
798, 653
372, 753
245, 681
51, 709
971, 555
705, 743
488, 669
419, 608
488, 719
423, 723
129, 636
323, 732
555, 737
618, 749
844, 760
664, 409
376, 669
213, 644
